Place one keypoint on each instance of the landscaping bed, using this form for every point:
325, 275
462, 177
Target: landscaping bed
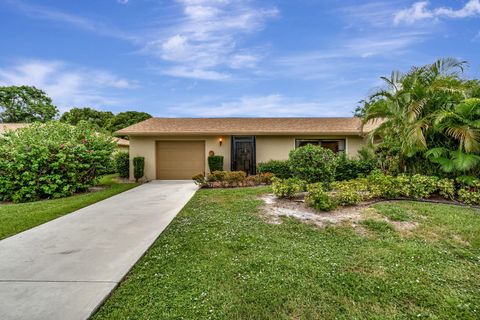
221, 259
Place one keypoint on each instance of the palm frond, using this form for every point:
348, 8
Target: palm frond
464, 161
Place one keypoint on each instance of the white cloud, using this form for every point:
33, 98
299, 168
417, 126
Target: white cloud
420, 11
205, 42
44, 13
275, 105
122, 1
66, 85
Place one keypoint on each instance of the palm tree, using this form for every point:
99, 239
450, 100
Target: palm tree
462, 124
408, 106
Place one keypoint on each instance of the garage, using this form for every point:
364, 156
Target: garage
179, 160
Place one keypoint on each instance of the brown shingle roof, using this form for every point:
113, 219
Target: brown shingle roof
121, 142
254, 126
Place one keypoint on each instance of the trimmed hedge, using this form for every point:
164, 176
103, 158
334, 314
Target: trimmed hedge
138, 167
230, 179
215, 163
51, 160
122, 164
280, 168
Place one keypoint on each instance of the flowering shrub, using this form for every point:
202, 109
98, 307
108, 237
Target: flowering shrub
51, 160
287, 188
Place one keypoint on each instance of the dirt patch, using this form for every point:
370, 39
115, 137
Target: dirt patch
276, 208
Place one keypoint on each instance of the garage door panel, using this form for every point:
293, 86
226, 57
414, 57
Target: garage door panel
180, 159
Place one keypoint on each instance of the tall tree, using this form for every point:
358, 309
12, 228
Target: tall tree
25, 104
127, 118
98, 119
425, 109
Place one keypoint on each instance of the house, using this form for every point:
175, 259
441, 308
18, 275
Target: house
122, 144
178, 148
5, 127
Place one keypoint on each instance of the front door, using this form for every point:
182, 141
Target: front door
243, 154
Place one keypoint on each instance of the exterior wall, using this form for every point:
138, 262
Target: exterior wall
267, 148
278, 147
145, 147
122, 148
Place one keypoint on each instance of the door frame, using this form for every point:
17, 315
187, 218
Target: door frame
252, 140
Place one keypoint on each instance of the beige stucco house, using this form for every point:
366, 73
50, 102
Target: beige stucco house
178, 148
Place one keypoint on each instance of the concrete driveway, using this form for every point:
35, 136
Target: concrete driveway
65, 268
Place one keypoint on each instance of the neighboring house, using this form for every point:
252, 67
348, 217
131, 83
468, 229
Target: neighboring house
178, 148
4, 127
122, 144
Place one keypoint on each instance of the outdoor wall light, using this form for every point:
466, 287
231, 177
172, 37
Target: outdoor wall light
220, 141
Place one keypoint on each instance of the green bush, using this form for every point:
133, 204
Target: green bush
280, 168
348, 193
138, 167
382, 186
51, 160
348, 169
469, 196
199, 179
423, 187
313, 164
122, 164
446, 188
319, 199
287, 188
215, 163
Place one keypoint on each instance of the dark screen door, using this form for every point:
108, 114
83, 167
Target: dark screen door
243, 154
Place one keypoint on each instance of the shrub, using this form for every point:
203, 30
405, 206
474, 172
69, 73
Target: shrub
422, 187
446, 188
313, 164
122, 164
215, 163
280, 168
235, 177
199, 179
287, 188
266, 177
138, 167
349, 193
216, 176
51, 160
382, 186
469, 196
319, 199
348, 169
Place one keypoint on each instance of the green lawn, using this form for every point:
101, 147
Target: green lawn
219, 260
15, 218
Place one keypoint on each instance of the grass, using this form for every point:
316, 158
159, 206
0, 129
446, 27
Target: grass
219, 259
15, 218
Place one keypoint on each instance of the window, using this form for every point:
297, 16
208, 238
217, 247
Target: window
336, 145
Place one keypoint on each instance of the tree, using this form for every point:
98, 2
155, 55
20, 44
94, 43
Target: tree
127, 118
25, 104
416, 112
99, 119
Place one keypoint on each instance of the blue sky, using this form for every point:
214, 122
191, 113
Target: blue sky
227, 57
